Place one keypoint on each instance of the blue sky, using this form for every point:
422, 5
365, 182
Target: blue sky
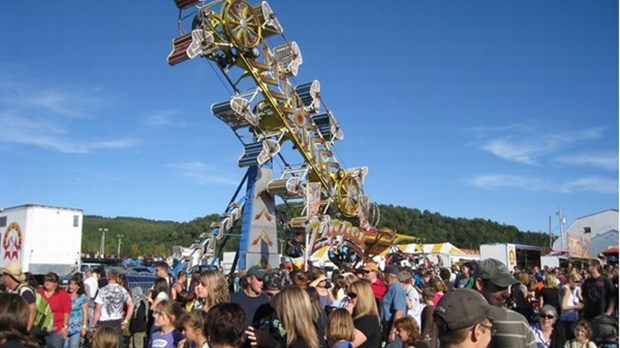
502, 110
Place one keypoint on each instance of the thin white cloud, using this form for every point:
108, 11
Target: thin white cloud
202, 174
160, 118
497, 181
528, 144
608, 161
48, 118
65, 103
593, 184
48, 134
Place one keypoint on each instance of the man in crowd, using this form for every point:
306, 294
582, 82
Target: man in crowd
15, 281
414, 307
465, 319
492, 279
393, 303
109, 306
161, 271
266, 330
371, 273
251, 296
598, 293
91, 286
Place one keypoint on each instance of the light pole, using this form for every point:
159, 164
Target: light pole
102, 248
118, 251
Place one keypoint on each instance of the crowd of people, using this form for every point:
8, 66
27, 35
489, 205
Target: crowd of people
479, 304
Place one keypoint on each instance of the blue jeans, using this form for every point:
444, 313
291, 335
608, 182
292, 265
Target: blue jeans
54, 340
73, 341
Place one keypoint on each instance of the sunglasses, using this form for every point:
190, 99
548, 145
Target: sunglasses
352, 295
547, 316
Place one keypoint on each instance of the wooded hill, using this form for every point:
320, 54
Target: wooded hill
156, 238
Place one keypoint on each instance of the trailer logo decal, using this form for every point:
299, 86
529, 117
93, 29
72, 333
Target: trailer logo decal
12, 242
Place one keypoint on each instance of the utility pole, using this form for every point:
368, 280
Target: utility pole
102, 247
562, 220
118, 251
550, 235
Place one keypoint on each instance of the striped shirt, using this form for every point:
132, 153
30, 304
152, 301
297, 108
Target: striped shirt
512, 332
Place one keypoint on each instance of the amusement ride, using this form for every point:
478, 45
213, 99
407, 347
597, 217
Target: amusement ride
266, 111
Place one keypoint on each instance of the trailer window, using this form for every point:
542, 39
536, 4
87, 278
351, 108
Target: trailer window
2, 221
76, 220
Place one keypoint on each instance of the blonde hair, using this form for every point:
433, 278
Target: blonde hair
105, 337
551, 281
366, 304
217, 285
524, 278
295, 311
340, 326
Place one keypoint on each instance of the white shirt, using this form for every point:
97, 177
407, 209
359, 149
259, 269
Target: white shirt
91, 286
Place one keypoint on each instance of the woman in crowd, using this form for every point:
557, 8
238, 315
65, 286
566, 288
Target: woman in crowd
78, 319
319, 315
365, 315
193, 324
294, 309
550, 294
166, 314
340, 331
159, 293
179, 287
409, 332
345, 302
571, 303
520, 295
319, 282
60, 304
14, 314
546, 332
583, 336
212, 289
440, 289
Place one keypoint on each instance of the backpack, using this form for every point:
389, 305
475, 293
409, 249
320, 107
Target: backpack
44, 318
139, 317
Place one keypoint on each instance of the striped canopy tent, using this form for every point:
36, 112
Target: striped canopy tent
442, 248
437, 248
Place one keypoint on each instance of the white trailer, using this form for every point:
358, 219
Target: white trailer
41, 239
504, 252
512, 255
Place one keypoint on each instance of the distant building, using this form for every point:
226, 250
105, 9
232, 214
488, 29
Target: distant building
589, 235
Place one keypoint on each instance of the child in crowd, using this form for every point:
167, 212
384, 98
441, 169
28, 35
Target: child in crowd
340, 330
106, 337
193, 324
583, 336
166, 314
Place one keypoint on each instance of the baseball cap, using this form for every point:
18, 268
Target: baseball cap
15, 271
462, 308
371, 267
256, 271
495, 271
276, 279
392, 269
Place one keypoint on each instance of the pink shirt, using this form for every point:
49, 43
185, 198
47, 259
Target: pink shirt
437, 297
